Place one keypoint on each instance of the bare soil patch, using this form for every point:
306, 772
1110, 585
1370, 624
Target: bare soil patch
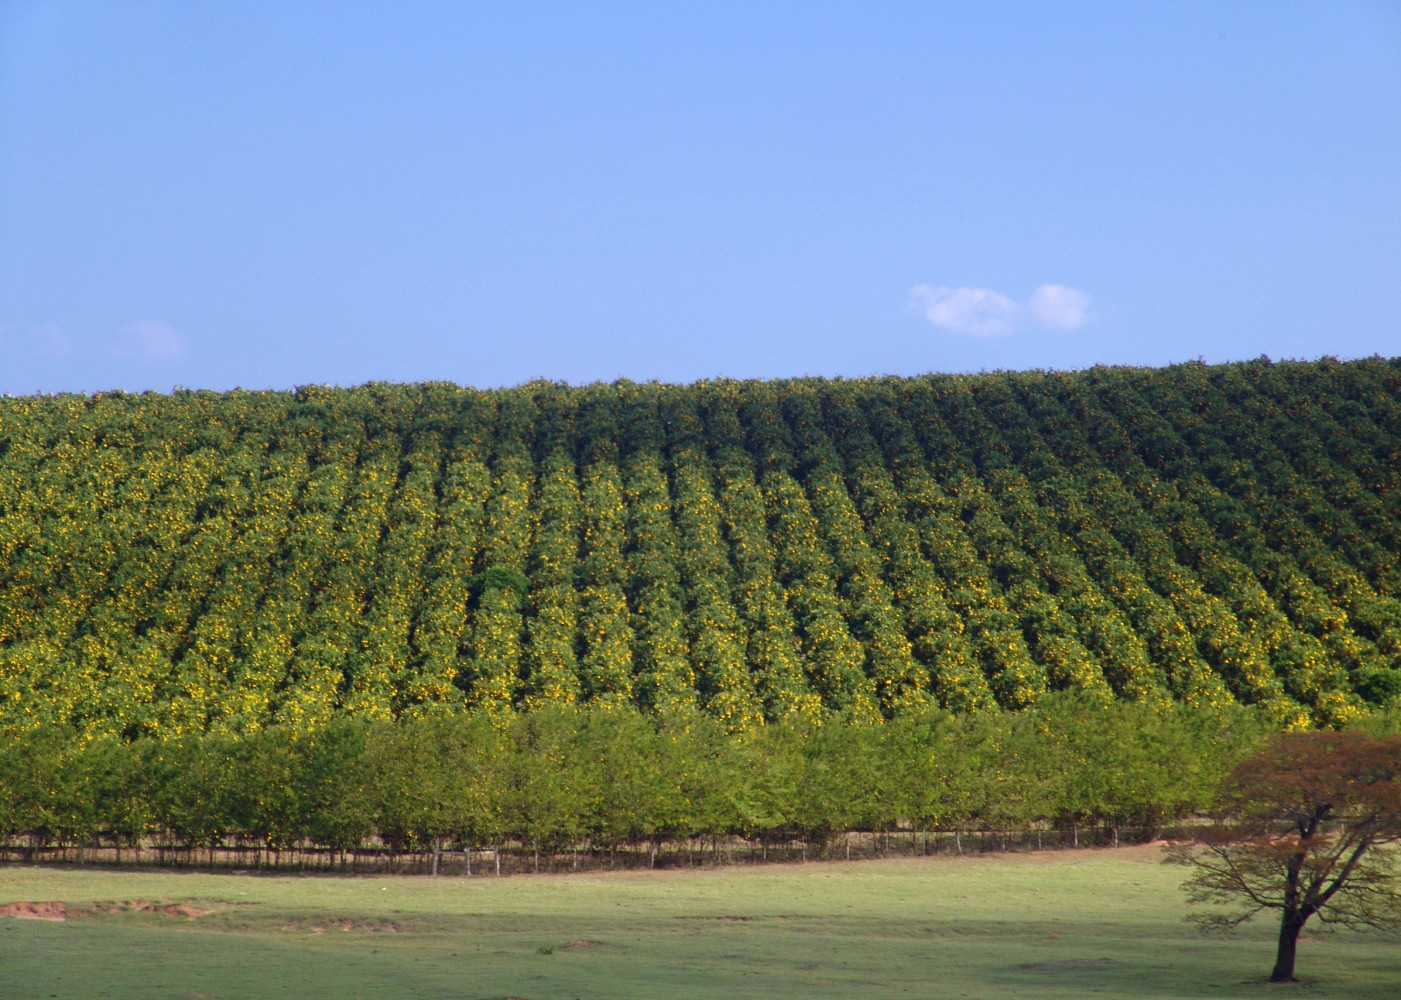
35, 911
1147, 849
55, 910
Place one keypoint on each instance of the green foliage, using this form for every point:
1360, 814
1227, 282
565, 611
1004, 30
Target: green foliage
206, 562
608, 776
504, 578
1381, 686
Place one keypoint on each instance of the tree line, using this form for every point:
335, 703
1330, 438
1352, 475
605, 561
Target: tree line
609, 777
762, 552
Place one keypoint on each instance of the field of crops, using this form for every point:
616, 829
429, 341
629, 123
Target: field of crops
759, 550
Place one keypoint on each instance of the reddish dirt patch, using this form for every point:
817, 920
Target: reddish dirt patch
35, 911
62, 911
1150, 849
157, 907
163, 908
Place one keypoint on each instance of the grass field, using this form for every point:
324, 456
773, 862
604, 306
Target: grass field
1068, 924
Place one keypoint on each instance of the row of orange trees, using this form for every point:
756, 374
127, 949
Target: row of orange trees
762, 551
609, 777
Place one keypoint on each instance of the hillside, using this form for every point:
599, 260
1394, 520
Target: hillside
1203, 534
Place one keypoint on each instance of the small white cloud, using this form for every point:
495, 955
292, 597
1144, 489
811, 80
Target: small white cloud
149, 340
980, 312
1059, 307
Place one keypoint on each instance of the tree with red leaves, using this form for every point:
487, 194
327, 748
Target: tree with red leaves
1300, 831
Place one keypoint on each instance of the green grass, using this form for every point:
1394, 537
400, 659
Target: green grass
1072, 924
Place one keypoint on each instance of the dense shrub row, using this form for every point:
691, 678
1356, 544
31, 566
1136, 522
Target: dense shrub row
560, 778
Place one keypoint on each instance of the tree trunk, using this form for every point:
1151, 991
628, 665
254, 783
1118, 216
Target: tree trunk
1289, 928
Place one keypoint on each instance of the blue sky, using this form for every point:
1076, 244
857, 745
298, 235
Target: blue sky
266, 195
